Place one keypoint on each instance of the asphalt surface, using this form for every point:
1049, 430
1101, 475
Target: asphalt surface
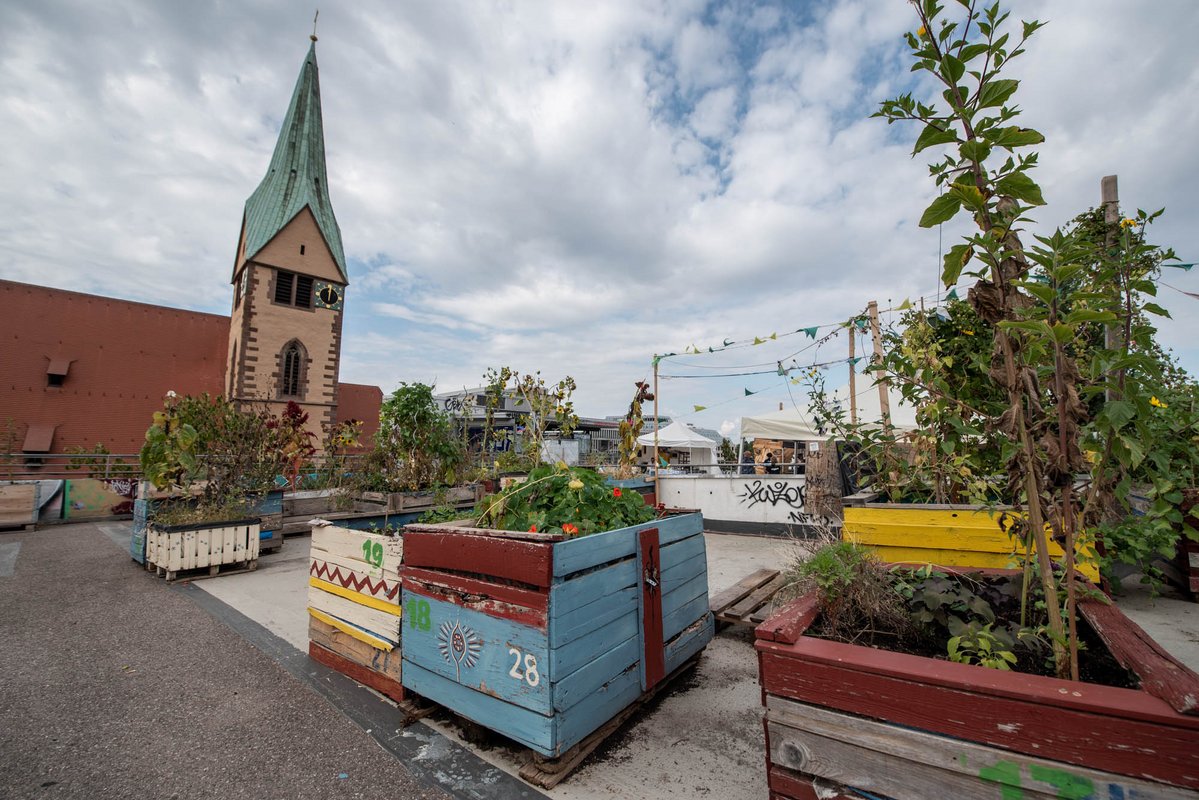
114, 684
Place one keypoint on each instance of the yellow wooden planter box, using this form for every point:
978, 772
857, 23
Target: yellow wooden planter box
946, 535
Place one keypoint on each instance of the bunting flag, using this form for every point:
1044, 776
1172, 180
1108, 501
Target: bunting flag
699, 408
748, 392
862, 322
781, 370
1186, 267
759, 341
727, 342
811, 332
774, 336
953, 295
905, 305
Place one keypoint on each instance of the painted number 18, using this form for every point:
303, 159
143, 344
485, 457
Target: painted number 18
372, 553
418, 614
530, 676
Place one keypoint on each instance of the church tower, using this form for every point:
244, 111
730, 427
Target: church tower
289, 275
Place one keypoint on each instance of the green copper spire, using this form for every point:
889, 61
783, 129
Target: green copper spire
296, 177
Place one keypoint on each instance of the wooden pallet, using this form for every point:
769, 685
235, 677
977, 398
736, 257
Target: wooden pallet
201, 573
748, 601
549, 772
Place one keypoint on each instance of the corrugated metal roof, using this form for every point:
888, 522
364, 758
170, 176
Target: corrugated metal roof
296, 177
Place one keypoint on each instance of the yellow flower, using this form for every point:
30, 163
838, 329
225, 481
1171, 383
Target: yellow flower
922, 32
1153, 401
968, 333
1128, 223
575, 484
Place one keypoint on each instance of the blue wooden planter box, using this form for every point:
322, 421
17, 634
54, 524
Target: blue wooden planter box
544, 639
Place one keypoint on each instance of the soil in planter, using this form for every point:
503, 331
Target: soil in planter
934, 609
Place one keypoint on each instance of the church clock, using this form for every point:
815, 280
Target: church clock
329, 295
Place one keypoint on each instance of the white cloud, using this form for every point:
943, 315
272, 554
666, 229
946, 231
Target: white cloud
559, 186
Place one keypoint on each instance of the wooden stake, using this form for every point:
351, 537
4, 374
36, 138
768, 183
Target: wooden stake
853, 382
657, 464
884, 395
1109, 192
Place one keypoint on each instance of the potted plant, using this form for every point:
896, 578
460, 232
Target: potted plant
211, 465
911, 683
577, 601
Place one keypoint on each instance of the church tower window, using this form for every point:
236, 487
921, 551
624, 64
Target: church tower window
292, 370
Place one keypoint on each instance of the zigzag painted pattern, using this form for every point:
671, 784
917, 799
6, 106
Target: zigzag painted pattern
333, 574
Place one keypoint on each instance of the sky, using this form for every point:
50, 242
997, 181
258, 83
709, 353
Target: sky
564, 186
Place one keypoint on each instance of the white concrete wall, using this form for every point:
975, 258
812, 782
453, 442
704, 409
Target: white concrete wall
777, 499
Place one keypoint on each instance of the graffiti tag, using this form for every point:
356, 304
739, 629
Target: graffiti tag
776, 493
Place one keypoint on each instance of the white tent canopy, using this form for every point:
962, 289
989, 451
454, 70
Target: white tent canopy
677, 436
793, 425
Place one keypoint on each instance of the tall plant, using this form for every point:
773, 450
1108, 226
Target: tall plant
416, 446
985, 173
630, 428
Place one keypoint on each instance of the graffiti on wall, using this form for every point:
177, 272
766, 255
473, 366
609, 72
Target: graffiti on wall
789, 494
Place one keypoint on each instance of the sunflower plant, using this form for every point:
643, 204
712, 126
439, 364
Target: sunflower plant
559, 499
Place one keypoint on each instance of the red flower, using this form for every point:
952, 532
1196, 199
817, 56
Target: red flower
616, 492
532, 529
568, 528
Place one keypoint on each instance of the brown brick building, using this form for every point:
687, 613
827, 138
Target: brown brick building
78, 369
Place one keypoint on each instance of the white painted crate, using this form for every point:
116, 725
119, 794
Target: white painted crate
179, 548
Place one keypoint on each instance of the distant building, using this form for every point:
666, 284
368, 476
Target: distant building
79, 369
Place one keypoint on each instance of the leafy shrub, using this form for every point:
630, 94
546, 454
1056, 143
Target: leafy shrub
558, 499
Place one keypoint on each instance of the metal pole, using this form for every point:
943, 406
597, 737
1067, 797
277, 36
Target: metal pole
657, 465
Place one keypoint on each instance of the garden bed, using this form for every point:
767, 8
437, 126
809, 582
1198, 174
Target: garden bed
902, 726
542, 638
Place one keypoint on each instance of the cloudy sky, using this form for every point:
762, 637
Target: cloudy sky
563, 186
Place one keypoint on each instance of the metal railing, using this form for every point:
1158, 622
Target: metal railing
56, 466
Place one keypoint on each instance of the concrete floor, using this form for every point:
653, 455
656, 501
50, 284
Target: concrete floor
703, 738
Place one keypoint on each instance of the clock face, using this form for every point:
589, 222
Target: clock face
329, 295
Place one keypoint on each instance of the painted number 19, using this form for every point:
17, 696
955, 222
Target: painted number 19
530, 676
372, 553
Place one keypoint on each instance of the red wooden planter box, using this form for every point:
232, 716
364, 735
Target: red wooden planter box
901, 726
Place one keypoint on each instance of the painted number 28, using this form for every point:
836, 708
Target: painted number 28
530, 676
372, 553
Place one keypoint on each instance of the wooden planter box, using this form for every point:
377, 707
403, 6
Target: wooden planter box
18, 504
949, 535
423, 501
544, 639
903, 726
178, 548
354, 605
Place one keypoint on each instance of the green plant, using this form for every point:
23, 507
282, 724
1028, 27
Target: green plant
98, 462
416, 446
443, 513
978, 644
168, 457
558, 499
630, 428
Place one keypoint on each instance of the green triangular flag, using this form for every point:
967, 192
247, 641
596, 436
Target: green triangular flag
748, 392
759, 341
811, 332
699, 408
781, 370
862, 323
953, 295
727, 342
1179, 266
905, 305
774, 336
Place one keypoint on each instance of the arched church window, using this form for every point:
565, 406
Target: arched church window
292, 370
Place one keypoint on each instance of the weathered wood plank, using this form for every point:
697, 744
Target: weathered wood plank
386, 662
513, 559
653, 607
18, 504
567, 596
787, 784
386, 606
381, 683
758, 598
382, 624
573, 654
472, 592
741, 589
923, 761
480, 651
1161, 674
568, 627
571, 689
949, 536
377, 587
348, 544
1076, 736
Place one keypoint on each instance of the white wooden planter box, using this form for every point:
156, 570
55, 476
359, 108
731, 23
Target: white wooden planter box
208, 545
